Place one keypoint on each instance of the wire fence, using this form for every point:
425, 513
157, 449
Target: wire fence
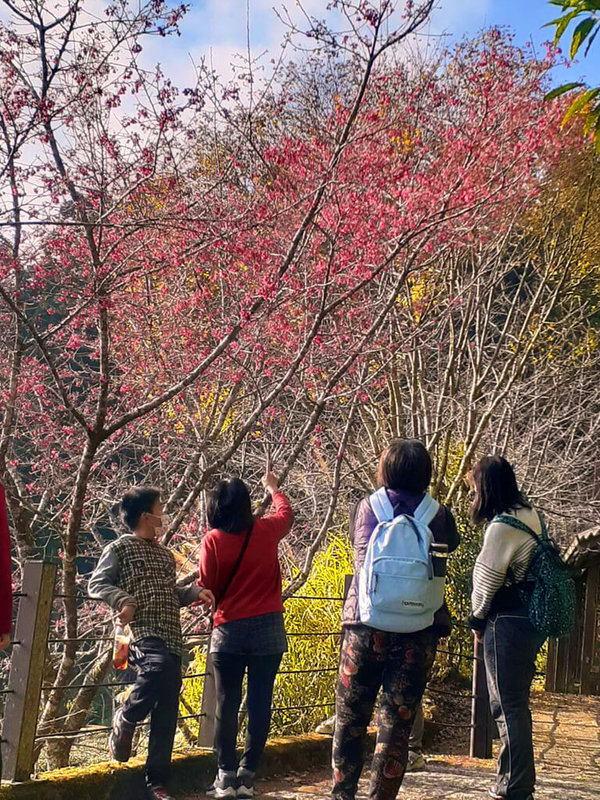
304, 691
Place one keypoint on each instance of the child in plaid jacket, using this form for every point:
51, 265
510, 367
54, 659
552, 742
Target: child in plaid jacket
136, 576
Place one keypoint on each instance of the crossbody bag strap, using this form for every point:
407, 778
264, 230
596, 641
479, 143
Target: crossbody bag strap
234, 571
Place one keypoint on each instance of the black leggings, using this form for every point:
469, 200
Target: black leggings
229, 675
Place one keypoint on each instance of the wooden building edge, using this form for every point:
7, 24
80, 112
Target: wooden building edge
574, 661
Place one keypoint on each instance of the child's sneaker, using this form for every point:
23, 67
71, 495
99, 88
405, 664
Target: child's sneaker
224, 787
121, 737
416, 762
245, 783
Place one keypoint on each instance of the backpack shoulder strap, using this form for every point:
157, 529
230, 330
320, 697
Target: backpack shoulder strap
426, 510
513, 522
381, 505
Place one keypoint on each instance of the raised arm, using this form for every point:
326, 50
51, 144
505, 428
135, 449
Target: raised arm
279, 521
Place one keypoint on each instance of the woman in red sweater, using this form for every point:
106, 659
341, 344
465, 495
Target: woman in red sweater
239, 563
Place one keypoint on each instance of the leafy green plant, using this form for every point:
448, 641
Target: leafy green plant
459, 646
304, 691
585, 103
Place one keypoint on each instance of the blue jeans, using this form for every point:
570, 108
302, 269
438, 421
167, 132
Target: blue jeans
510, 647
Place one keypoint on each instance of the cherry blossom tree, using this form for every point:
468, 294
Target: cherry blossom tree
191, 279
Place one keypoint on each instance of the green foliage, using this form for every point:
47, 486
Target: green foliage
539, 681
309, 654
458, 598
585, 103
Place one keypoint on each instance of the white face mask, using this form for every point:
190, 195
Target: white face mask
160, 529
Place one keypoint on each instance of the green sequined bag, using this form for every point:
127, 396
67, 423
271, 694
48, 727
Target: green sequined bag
548, 588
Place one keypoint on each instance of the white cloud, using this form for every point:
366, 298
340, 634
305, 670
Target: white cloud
216, 30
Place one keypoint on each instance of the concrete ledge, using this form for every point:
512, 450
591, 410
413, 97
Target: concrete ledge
193, 770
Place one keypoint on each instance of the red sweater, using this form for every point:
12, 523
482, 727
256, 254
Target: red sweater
256, 588
5, 569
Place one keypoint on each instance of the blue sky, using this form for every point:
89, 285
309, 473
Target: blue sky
526, 18
216, 29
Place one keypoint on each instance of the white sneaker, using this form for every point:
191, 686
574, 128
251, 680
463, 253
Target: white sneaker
245, 783
326, 728
224, 786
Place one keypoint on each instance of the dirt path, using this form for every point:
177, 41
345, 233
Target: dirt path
444, 779
567, 742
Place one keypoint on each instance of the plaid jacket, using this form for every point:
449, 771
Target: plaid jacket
141, 573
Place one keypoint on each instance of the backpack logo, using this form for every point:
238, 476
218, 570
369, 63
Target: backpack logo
398, 590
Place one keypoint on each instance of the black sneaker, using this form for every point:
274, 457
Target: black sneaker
245, 783
121, 737
156, 792
224, 787
493, 793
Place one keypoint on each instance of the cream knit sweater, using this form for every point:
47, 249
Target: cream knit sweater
503, 547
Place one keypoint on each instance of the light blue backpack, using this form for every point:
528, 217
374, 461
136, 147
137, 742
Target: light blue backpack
398, 591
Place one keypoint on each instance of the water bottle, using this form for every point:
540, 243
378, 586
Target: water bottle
439, 559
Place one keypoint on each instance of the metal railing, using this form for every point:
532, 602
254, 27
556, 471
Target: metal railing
21, 740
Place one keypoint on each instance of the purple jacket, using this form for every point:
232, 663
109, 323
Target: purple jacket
362, 524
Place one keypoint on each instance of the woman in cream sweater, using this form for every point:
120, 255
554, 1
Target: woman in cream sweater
500, 618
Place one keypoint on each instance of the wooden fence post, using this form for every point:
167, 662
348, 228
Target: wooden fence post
481, 718
27, 670
206, 732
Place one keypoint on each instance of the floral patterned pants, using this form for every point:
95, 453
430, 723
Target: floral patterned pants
399, 664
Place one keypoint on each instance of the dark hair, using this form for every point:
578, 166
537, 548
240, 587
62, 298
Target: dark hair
137, 501
405, 464
496, 489
229, 508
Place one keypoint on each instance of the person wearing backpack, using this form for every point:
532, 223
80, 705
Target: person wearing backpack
518, 580
239, 563
393, 617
